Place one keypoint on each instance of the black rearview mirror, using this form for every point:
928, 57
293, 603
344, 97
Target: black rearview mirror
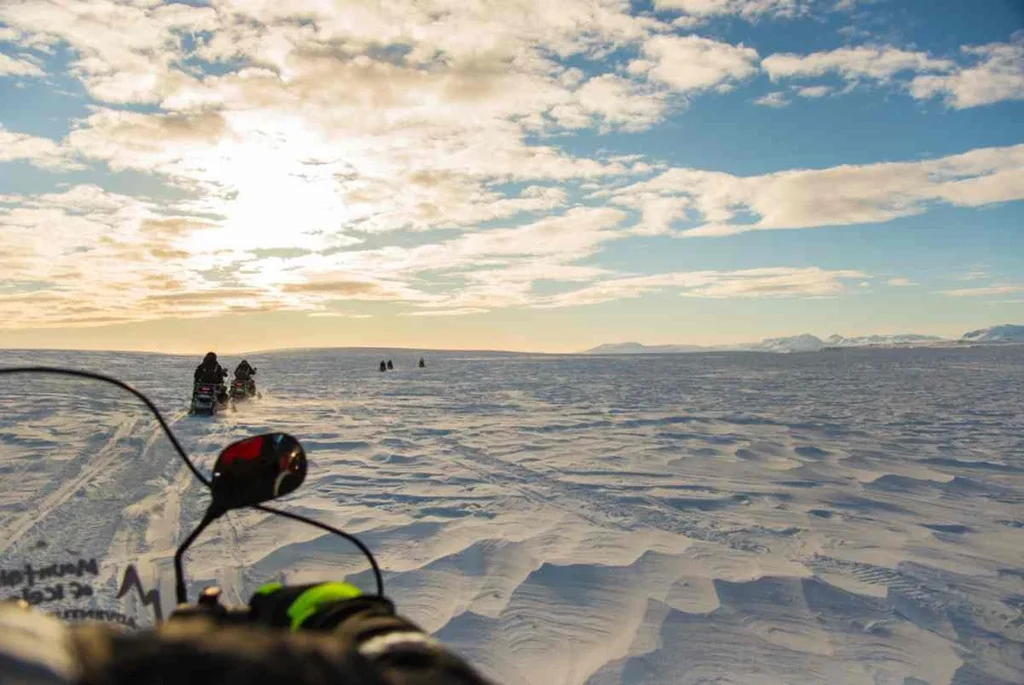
256, 470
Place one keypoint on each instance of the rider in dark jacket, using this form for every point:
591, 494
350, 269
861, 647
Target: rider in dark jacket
210, 371
244, 372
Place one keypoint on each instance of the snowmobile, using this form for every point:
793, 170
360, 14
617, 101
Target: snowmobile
243, 389
208, 399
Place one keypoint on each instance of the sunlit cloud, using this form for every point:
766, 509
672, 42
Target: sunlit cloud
35, 150
464, 311
745, 8
979, 75
997, 74
13, 66
838, 196
692, 63
775, 99
986, 291
877, 63
813, 91
748, 283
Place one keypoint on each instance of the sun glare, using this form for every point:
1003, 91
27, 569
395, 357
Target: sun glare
277, 191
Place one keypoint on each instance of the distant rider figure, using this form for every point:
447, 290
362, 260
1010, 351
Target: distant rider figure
245, 372
391, 366
383, 365
213, 373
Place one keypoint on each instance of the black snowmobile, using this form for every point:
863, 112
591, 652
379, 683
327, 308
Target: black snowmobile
208, 393
243, 389
208, 399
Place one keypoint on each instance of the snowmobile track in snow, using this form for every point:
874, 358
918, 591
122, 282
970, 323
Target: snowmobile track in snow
106, 455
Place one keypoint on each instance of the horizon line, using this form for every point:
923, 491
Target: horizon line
720, 347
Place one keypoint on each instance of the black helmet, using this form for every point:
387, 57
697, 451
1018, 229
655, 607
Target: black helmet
210, 357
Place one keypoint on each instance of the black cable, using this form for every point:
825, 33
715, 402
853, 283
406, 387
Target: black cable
323, 526
121, 384
180, 590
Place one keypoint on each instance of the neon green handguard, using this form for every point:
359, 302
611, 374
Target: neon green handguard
290, 607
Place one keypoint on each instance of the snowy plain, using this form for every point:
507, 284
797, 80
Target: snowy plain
854, 516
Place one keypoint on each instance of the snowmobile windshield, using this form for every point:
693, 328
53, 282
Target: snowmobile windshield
95, 499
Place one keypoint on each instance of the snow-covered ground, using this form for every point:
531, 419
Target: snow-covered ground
709, 518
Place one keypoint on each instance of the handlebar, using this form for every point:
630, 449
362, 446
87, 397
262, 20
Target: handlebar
209, 606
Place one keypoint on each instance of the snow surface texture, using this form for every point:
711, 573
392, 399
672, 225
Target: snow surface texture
720, 518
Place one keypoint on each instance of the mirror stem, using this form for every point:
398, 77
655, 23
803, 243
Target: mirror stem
212, 514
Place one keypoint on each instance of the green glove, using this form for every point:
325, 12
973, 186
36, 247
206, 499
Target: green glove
319, 606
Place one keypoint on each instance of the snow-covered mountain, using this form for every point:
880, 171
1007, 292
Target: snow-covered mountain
1004, 333
812, 343
898, 339
637, 348
796, 343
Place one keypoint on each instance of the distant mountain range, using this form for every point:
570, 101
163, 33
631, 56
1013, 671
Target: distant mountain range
811, 343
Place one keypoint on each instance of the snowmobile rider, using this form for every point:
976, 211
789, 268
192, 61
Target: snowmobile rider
244, 372
213, 373
321, 634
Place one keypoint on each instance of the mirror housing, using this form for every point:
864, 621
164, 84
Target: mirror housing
257, 470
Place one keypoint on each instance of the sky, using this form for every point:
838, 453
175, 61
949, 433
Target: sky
506, 174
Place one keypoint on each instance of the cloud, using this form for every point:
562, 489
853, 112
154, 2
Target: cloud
693, 63
983, 74
339, 315
747, 9
900, 282
1003, 289
876, 63
106, 257
40, 152
576, 234
322, 290
620, 102
463, 311
843, 195
813, 91
750, 283
776, 100
125, 52
997, 75
12, 66
972, 275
